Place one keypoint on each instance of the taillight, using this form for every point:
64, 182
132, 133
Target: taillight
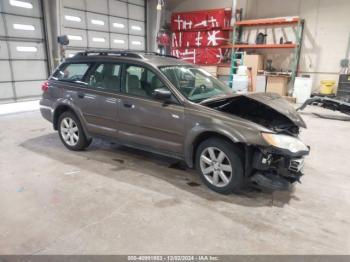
45, 86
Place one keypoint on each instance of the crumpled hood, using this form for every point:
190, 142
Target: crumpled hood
274, 101
279, 104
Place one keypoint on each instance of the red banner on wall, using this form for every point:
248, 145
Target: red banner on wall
200, 20
200, 55
200, 38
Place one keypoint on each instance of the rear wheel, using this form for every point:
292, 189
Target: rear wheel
71, 132
220, 165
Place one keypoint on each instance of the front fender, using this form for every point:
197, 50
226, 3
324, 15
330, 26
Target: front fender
236, 134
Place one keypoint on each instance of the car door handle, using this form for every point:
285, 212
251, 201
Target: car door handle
81, 95
129, 105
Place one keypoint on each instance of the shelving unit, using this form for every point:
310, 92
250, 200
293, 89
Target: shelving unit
238, 48
264, 46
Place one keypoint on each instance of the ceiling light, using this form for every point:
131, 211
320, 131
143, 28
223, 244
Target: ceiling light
72, 18
119, 41
136, 42
98, 39
75, 37
21, 4
26, 49
118, 25
136, 27
97, 22
24, 27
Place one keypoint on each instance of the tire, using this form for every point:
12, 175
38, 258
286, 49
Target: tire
215, 158
71, 132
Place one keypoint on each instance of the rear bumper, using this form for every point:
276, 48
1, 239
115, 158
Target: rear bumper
276, 170
46, 110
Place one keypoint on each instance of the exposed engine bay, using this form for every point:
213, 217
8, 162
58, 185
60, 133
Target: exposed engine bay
283, 120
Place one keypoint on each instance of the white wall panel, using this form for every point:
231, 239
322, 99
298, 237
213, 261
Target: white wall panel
118, 25
29, 70
5, 71
108, 24
27, 57
20, 26
27, 50
136, 42
136, 12
136, 27
73, 18
2, 26
73, 35
70, 53
79, 4
3, 50
29, 88
97, 22
6, 91
137, 2
95, 39
33, 7
99, 6
119, 41
118, 8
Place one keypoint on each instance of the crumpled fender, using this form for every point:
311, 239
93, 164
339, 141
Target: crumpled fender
238, 132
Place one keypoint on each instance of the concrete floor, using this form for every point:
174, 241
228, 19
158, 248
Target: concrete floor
114, 200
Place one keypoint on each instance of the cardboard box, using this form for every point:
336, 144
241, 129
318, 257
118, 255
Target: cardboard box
277, 84
224, 70
254, 62
290, 99
211, 69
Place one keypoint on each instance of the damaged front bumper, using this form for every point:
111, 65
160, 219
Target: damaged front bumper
276, 169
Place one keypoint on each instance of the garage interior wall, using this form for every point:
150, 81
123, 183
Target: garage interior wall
28, 37
105, 24
326, 32
23, 60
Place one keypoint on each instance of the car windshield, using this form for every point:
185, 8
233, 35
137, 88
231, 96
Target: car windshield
195, 84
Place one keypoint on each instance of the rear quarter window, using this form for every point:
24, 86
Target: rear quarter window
71, 72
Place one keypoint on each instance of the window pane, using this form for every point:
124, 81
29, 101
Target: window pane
106, 76
141, 82
195, 83
72, 72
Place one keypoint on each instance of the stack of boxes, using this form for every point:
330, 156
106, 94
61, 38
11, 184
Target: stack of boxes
198, 35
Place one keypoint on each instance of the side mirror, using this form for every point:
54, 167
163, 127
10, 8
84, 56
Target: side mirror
162, 94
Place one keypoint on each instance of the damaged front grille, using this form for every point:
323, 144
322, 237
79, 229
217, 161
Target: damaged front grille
296, 165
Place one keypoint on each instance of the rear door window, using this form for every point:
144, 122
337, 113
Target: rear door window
71, 72
105, 77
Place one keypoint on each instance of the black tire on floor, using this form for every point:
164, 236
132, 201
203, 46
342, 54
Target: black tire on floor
235, 156
82, 142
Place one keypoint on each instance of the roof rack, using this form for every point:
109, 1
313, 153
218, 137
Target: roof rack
159, 54
125, 53
109, 52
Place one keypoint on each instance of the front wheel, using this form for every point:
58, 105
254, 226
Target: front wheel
220, 165
71, 132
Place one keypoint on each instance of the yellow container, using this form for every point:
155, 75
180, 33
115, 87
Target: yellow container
327, 87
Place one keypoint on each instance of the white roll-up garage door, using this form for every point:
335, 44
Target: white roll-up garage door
23, 59
104, 24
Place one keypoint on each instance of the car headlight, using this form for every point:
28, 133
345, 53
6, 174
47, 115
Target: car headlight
290, 143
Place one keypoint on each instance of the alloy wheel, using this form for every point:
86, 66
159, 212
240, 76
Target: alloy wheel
216, 167
69, 131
